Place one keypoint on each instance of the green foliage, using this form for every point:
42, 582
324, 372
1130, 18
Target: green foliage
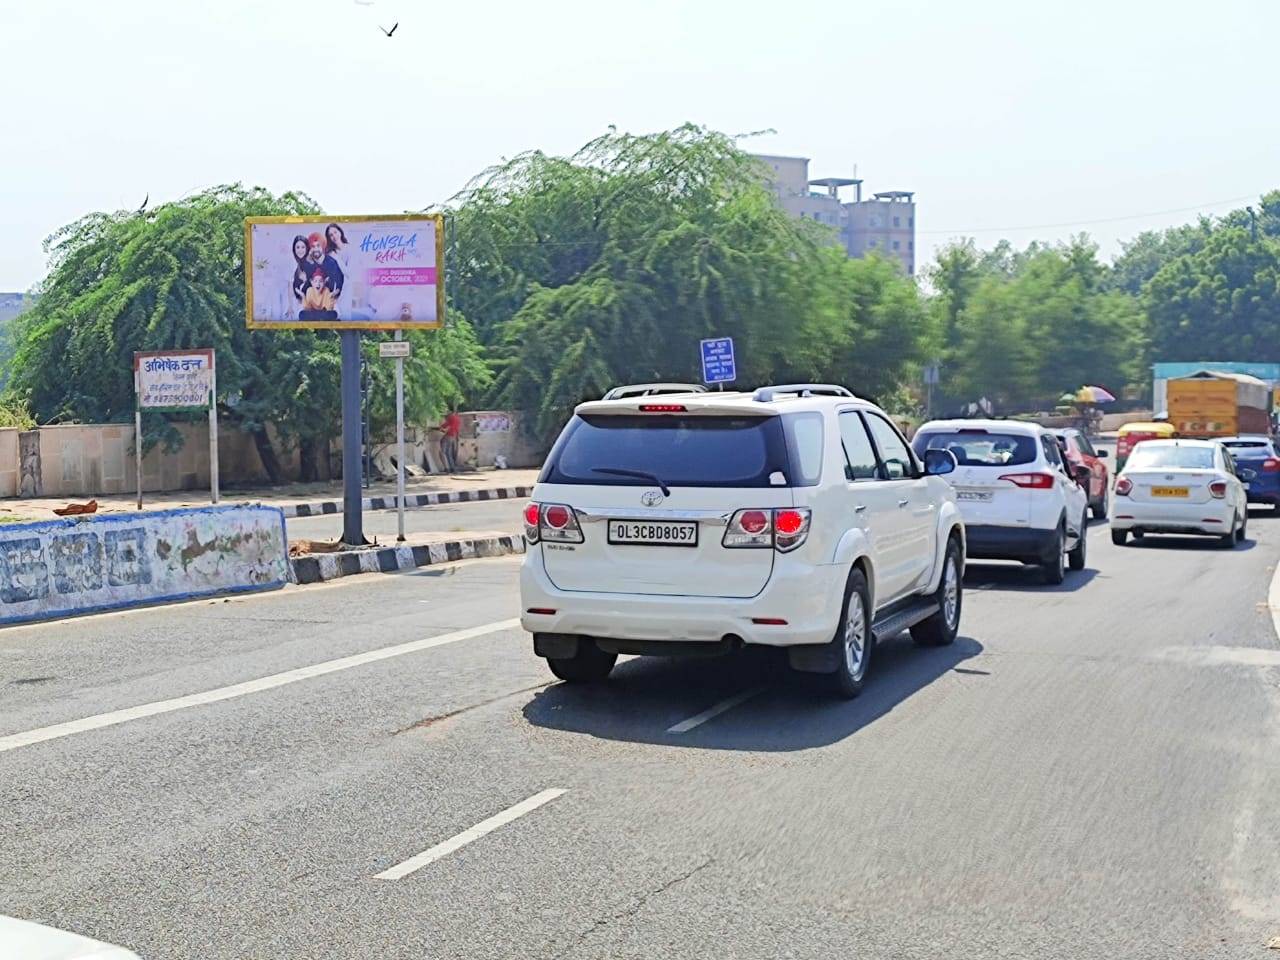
173, 277
609, 266
1223, 299
15, 414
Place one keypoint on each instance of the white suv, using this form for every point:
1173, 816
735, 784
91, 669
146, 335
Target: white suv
1015, 492
796, 516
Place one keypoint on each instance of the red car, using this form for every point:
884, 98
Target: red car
1079, 451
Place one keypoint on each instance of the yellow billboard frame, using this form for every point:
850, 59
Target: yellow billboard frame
252, 324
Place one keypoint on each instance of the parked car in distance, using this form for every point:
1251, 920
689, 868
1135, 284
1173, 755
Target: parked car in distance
796, 516
1132, 434
1080, 452
1257, 452
1180, 486
1014, 491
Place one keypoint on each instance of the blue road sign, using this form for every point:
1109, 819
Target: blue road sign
717, 361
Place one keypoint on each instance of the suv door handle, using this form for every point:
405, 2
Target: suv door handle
860, 508
903, 503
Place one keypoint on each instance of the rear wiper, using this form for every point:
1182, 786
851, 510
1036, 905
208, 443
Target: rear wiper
638, 474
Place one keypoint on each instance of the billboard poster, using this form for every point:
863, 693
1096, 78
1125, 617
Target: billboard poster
173, 379
360, 273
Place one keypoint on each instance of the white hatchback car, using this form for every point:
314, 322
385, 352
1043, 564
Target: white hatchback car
1181, 486
796, 516
1014, 491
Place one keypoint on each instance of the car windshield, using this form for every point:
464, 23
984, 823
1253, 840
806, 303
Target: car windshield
978, 448
685, 451
1147, 456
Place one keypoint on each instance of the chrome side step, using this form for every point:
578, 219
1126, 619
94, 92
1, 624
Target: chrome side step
821, 658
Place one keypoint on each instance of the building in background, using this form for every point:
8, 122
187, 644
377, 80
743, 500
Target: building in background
885, 224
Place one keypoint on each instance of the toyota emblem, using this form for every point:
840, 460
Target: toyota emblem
651, 498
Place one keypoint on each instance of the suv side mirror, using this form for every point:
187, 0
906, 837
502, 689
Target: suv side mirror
1082, 473
938, 463
1101, 454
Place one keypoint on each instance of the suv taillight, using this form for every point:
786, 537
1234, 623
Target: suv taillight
783, 529
556, 522
1123, 487
1270, 465
1030, 481
1218, 489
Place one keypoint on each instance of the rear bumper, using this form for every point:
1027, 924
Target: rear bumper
1212, 518
808, 597
1028, 544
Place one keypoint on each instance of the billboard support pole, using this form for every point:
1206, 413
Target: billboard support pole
137, 448
213, 432
400, 442
352, 428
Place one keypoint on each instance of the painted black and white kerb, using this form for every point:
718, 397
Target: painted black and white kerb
321, 507
330, 566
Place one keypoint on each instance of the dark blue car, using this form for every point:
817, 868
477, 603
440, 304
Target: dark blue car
1257, 452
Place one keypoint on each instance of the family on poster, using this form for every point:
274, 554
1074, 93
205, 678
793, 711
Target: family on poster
318, 276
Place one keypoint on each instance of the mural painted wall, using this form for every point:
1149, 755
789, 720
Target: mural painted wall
61, 567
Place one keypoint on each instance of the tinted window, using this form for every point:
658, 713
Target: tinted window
1248, 449
979, 448
893, 450
1083, 443
805, 431
859, 453
1052, 452
1188, 458
684, 451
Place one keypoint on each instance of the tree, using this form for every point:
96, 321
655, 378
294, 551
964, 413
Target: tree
173, 277
610, 265
1222, 299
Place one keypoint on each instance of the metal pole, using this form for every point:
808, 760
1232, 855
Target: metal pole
400, 441
352, 425
137, 448
213, 431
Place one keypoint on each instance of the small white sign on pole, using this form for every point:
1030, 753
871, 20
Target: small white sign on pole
176, 380
394, 349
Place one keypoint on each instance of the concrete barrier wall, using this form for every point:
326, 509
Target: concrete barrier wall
60, 568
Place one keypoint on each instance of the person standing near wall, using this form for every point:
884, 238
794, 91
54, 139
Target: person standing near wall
451, 426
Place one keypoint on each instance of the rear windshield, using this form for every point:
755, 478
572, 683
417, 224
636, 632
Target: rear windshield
688, 451
1248, 447
978, 448
1186, 458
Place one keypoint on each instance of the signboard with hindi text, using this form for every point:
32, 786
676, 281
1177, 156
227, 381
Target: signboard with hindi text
345, 273
173, 379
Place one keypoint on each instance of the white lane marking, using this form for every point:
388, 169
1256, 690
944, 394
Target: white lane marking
684, 726
414, 863
98, 721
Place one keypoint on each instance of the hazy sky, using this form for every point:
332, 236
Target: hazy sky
1000, 115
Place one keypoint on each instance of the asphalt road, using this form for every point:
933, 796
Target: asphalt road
500, 515
1091, 771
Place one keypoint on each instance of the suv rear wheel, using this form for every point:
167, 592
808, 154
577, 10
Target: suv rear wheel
941, 628
1077, 555
1055, 568
853, 641
589, 665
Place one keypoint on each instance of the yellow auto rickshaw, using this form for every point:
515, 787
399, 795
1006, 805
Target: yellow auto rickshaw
1131, 434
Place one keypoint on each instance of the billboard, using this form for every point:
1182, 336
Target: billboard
173, 379
345, 273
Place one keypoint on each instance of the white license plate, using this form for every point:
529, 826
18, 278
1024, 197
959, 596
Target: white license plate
654, 533
981, 496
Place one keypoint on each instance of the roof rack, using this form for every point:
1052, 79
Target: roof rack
652, 389
767, 394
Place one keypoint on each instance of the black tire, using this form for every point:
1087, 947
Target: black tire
1119, 537
1244, 526
1055, 569
1099, 509
1275, 507
589, 665
940, 629
849, 678
1138, 534
1232, 539
1076, 557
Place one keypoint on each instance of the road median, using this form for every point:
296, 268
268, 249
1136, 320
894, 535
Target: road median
330, 565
